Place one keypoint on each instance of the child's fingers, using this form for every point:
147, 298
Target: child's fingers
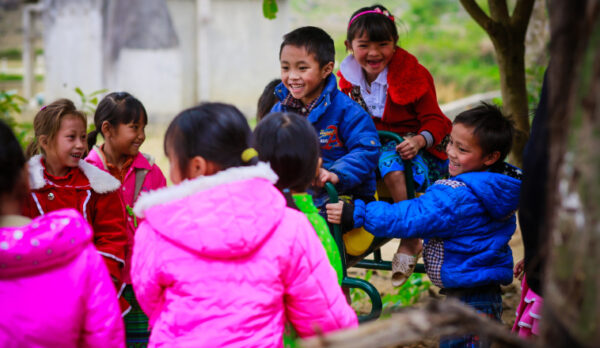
334, 212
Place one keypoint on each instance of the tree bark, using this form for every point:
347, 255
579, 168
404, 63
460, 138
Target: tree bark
508, 36
572, 301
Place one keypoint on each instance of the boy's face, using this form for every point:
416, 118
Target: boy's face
464, 152
301, 73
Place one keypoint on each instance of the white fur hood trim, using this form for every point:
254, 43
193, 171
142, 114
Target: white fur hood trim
203, 183
100, 181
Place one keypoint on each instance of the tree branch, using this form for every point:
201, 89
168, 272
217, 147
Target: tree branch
499, 11
477, 14
521, 15
411, 325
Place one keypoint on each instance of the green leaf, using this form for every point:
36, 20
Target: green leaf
94, 101
78, 91
270, 9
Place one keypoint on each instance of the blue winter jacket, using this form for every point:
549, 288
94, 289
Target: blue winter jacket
466, 222
349, 140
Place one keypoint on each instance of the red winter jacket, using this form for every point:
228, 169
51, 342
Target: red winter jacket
411, 103
92, 192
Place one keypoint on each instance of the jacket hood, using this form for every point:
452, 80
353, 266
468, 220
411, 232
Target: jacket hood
226, 215
498, 191
99, 180
49, 241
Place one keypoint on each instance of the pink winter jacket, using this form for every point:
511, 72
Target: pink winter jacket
153, 180
55, 290
221, 261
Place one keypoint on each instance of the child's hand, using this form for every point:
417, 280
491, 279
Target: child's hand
409, 148
519, 268
334, 212
325, 176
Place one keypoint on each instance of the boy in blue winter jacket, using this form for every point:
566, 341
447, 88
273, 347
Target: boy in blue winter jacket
349, 141
466, 221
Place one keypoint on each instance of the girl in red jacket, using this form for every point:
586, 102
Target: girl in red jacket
60, 178
121, 119
399, 94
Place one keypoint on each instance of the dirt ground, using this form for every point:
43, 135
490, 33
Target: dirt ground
511, 294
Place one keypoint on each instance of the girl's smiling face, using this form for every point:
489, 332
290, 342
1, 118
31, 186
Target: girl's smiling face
68, 146
126, 139
373, 56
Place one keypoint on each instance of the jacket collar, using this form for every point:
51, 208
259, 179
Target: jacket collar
190, 187
407, 79
141, 160
100, 181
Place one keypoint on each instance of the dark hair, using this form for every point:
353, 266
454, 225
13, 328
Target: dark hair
47, 122
12, 160
493, 131
314, 40
116, 108
267, 99
377, 26
290, 144
218, 132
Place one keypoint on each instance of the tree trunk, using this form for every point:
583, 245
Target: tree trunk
572, 301
507, 33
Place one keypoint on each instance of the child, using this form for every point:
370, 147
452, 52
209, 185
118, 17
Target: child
121, 120
349, 141
467, 220
59, 178
288, 142
54, 288
220, 259
399, 94
267, 100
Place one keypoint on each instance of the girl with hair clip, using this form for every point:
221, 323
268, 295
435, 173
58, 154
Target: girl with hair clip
60, 178
54, 288
399, 94
225, 226
296, 163
121, 118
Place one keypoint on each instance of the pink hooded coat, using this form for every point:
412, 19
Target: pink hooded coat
55, 290
221, 261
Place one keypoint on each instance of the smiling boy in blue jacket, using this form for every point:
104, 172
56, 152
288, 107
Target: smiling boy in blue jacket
466, 221
348, 138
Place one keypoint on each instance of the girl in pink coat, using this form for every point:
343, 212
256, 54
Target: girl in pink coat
219, 259
55, 290
121, 119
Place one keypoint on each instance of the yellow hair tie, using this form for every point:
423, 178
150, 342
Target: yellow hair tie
249, 154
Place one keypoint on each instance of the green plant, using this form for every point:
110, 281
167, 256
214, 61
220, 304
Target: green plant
89, 102
408, 294
10, 104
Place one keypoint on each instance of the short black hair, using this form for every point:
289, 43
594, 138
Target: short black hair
12, 159
378, 26
491, 128
314, 40
267, 99
216, 131
290, 144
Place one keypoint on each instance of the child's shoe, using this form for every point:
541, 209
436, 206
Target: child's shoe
403, 265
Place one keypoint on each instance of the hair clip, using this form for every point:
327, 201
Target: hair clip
43, 107
376, 10
249, 154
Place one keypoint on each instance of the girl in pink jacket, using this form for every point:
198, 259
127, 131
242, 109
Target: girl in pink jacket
219, 259
55, 290
121, 118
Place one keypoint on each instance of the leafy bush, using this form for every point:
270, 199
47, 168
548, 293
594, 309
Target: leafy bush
10, 105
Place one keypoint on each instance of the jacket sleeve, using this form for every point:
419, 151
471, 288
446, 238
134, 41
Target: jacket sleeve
360, 138
313, 298
103, 325
145, 271
430, 115
110, 238
433, 214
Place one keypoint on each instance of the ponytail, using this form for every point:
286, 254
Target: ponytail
32, 149
91, 138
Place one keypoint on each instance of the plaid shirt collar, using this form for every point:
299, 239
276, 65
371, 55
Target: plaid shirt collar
297, 106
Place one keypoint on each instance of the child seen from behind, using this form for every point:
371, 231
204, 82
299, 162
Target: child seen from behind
466, 221
121, 119
399, 94
348, 139
60, 178
54, 287
225, 226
